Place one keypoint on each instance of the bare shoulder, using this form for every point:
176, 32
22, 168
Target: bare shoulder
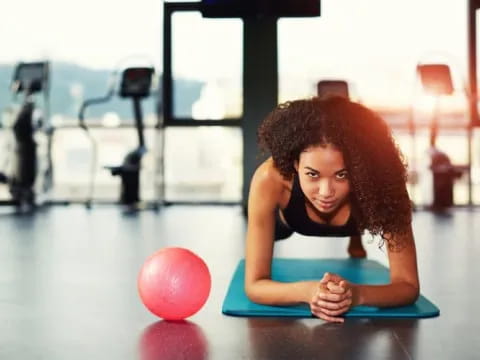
268, 183
269, 178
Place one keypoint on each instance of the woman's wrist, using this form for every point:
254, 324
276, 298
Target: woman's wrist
311, 289
357, 294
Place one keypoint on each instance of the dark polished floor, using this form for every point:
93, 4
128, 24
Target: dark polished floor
68, 290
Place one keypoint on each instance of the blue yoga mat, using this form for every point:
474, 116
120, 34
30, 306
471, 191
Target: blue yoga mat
360, 271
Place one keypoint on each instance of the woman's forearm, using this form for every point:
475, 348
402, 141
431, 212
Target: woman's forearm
396, 294
269, 292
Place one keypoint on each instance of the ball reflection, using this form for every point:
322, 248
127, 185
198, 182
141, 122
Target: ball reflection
168, 340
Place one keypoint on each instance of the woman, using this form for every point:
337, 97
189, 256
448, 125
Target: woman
334, 170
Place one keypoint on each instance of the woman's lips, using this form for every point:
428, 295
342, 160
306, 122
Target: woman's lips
325, 204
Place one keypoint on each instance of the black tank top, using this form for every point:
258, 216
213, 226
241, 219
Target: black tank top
296, 216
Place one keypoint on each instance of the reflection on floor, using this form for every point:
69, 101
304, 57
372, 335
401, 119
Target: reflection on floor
68, 290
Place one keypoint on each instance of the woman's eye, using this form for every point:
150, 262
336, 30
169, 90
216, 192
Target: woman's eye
311, 174
342, 175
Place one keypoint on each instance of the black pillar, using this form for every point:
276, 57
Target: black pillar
260, 88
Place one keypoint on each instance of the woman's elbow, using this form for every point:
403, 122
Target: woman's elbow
413, 294
251, 290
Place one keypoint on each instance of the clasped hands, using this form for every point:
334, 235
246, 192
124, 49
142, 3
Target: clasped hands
333, 297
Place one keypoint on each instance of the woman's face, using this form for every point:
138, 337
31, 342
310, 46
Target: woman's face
323, 177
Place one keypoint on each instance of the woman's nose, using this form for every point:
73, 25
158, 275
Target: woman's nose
326, 189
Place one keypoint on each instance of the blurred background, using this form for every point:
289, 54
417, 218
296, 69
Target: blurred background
195, 143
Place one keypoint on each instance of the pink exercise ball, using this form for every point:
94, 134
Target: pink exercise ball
174, 283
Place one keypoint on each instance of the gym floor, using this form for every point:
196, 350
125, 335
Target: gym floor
68, 290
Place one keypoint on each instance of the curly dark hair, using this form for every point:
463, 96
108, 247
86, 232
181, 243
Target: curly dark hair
376, 168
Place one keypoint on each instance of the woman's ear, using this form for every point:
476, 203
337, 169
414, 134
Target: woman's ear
295, 165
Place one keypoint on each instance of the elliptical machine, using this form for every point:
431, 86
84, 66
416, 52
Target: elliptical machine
135, 83
23, 170
437, 81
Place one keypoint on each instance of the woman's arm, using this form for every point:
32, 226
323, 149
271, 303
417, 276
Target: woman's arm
336, 295
265, 192
404, 287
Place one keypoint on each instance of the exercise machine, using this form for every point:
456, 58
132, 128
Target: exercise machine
28, 171
437, 81
135, 83
327, 88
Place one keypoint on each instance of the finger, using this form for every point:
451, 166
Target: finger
343, 306
328, 318
334, 305
335, 289
324, 279
334, 277
314, 308
333, 297
319, 295
321, 289
331, 277
333, 312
